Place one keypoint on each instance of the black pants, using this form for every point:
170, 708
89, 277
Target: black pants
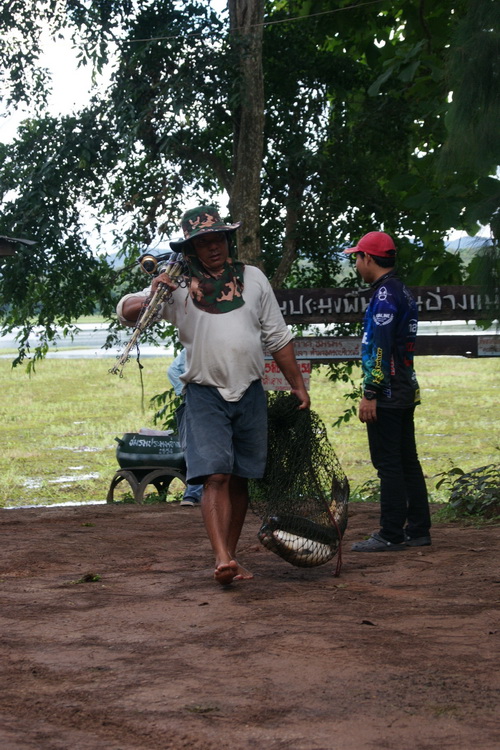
403, 494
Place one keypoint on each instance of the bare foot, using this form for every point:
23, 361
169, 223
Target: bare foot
243, 574
225, 573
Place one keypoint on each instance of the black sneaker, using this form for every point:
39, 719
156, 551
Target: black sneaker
419, 541
377, 543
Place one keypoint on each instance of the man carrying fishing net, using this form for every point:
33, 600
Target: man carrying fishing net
224, 317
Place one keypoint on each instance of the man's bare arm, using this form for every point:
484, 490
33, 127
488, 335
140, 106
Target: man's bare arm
133, 305
285, 359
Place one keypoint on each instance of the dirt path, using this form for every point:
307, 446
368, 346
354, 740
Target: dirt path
399, 652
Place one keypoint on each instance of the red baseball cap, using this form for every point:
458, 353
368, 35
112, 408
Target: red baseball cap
375, 243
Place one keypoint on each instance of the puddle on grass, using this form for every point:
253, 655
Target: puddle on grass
35, 484
63, 481
73, 478
78, 449
32, 484
54, 505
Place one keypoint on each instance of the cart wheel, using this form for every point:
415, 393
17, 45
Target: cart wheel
160, 479
139, 479
130, 477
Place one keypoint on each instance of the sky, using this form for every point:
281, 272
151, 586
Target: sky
70, 86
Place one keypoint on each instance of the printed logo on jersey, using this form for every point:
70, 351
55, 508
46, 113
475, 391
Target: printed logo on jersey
383, 319
377, 373
382, 294
413, 325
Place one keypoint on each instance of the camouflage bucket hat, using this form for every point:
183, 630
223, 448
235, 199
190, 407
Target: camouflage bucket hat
201, 220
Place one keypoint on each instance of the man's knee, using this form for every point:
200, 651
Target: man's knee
217, 481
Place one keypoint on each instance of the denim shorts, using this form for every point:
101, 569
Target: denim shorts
223, 437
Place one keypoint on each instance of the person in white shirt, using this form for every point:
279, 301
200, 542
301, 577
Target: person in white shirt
225, 316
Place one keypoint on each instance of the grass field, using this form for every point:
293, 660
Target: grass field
58, 426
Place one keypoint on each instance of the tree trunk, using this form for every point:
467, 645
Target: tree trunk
246, 27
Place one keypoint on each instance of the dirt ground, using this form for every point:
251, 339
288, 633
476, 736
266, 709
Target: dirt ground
399, 651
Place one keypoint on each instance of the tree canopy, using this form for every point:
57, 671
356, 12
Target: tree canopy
311, 121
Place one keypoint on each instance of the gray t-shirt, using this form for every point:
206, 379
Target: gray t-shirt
226, 350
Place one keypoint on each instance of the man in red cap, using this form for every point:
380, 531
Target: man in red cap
224, 316
390, 394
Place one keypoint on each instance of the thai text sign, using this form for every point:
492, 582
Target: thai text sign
348, 305
274, 380
327, 348
324, 349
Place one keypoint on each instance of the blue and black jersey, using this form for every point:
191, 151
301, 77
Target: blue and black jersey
387, 351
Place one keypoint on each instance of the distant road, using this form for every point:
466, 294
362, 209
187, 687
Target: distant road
86, 344
88, 341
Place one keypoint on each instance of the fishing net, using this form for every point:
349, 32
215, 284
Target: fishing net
303, 497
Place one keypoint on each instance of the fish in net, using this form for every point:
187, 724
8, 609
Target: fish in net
303, 497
